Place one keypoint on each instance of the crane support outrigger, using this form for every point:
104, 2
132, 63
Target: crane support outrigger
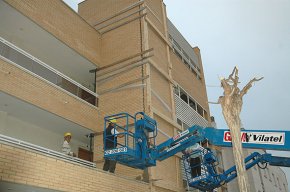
139, 149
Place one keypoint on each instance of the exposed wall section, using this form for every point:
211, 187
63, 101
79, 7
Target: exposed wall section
62, 22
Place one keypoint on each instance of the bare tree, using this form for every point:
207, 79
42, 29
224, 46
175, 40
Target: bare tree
231, 103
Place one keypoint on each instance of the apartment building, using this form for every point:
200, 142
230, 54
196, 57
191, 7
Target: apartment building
62, 71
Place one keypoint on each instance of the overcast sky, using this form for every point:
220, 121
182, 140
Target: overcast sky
251, 34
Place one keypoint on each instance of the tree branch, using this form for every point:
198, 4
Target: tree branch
233, 81
209, 102
249, 85
233, 72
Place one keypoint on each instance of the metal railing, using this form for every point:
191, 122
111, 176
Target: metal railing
187, 114
48, 152
27, 62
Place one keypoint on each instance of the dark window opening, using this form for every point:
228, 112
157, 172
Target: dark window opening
205, 114
183, 96
176, 90
194, 72
177, 53
192, 104
199, 110
179, 122
176, 44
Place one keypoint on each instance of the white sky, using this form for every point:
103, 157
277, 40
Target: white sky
252, 34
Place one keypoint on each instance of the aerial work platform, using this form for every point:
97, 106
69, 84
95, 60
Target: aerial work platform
138, 148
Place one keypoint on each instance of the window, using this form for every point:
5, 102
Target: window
200, 110
177, 53
170, 38
205, 114
183, 56
177, 45
199, 77
176, 90
192, 104
179, 122
194, 72
183, 125
183, 96
192, 62
198, 69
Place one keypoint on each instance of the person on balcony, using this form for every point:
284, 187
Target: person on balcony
111, 143
66, 149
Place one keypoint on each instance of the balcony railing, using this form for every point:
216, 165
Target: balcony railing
187, 114
26, 61
25, 145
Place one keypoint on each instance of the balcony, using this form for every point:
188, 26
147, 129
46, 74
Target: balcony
26, 44
29, 124
187, 114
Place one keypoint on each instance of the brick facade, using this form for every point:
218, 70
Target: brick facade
26, 167
121, 87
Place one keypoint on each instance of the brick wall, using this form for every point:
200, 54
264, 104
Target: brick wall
159, 46
161, 87
96, 10
21, 166
155, 14
59, 20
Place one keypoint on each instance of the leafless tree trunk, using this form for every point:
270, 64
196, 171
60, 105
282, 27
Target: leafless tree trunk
231, 103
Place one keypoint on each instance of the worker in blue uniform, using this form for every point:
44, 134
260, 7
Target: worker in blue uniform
111, 143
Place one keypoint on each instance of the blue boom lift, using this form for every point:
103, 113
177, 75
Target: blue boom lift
138, 149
